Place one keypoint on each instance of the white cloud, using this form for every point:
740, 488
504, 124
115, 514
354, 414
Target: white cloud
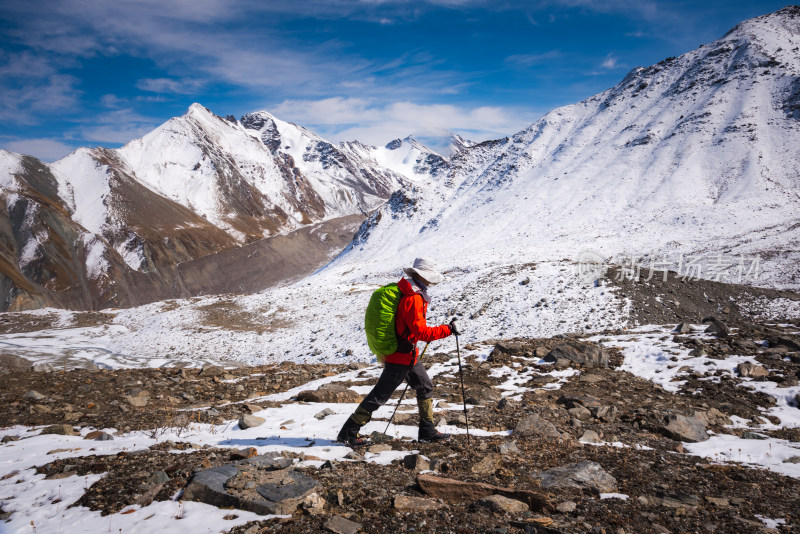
184, 86
611, 62
527, 60
345, 119
45, 149
117, 126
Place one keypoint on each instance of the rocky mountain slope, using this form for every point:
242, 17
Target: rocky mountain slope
655, 429
692, 158
196, 186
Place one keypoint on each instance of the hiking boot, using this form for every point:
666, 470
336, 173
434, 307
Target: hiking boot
349, 434
428, 433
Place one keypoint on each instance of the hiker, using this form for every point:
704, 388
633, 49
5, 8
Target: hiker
410, 327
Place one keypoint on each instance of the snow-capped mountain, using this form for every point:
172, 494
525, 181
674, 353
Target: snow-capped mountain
195, 186
696, 156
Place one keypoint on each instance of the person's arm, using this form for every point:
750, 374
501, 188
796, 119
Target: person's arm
418, 326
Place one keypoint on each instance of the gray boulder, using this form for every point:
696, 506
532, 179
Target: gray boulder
332, 392
585, 354
716, 327
482, 395
63, 430
339, 525
249, 421
751, 370
282, 492
535, 426
683, 328
590, 436
688, 428
584, 474
501, 504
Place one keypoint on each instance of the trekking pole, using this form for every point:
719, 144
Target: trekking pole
403, 394
463, 395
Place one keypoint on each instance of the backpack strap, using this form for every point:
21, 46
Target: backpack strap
403, 344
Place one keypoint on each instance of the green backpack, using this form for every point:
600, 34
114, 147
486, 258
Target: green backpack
379, 322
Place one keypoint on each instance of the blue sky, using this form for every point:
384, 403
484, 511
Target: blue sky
102, 72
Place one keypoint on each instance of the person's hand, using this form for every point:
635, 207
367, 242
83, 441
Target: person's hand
454, 328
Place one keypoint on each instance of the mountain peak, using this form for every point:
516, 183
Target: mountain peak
198, 109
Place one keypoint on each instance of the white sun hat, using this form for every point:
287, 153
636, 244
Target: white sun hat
426, 269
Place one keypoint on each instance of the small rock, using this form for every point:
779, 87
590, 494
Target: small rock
250, 421
40, 408
34, 395
314, 504
719, 502
158, 477
508, 447
324, 413
353, 455
751, 370
437, 464
566, 507
212, 371
658, 529
716, 327
487, 466
98, 435
482, 395
339, 525
139, 400
607, 414
541, 352
689, 428
716, 417
500, 504
253, 408
63, 430
455, 491
792, 460
585, 354
333, 392
590, 436
244, 454
580, 413
404, 503
683, 328
379, 447
535, 426
8, 439
417, 462
584, 474
379, 437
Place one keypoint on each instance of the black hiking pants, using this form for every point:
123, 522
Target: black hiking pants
393, 375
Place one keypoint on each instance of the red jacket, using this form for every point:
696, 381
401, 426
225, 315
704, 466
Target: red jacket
410, 320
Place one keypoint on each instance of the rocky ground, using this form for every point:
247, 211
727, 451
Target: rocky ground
604, 452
